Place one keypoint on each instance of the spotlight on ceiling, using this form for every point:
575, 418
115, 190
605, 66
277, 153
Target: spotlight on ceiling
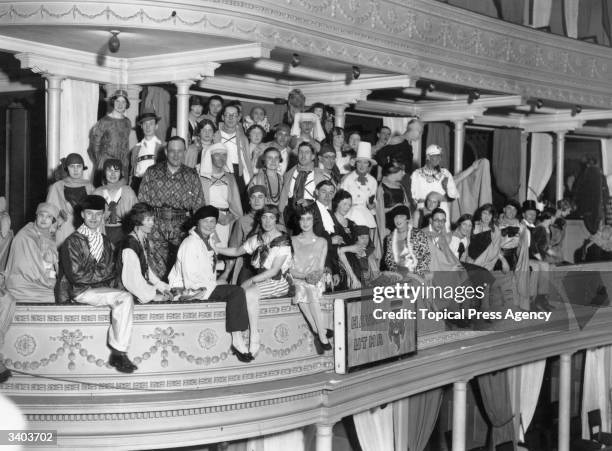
295, 60
473, 95
431, 87
576, 110
356, 72
539, 103
113, 41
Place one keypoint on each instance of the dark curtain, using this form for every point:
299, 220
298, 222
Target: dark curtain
495, 393
591, 20
591, 193
159, 100
440, 133
422, 417
607, 20
557, 20
510, 10
507, 161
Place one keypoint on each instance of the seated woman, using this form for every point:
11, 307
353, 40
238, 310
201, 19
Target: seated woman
484, 244
344, 154
220, 189
205, 132
308, 273
269, 175
133, 269
270, 251
362, 187
405, 249
194, 271
358, 259
344, 236
32, 265
422, 215
557, 231
119, 197
66, 194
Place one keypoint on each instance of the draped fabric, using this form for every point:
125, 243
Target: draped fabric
486, 7
7, 310
511, 11
474, 187
414, 419
440, 133
570, 13
507, 161
607, 20
158, 99
375, 429
556, 18
283, 441
78, 113
495, 392
397, 125
541, 166
541, 13
530, 376
591, 20
5, 246
595, 391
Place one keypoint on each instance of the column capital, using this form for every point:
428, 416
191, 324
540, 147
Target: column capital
459, 123
561, 133
183, 85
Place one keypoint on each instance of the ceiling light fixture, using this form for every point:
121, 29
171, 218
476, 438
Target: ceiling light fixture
539, 103
473, 95
113, 41
295, 60
431, 87
356, 72
576, 110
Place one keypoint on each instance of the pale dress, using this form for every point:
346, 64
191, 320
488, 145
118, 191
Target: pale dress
307, 259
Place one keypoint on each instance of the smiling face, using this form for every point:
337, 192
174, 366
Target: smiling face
338, 140
306, 222
465, 228
219, 159
432, 203
328, 160
306, 127
530, 216
486, 217
282, 138
256, 136
206, 226
325, 194
231, 116
510, 212
258, 114
433, 161
147, 225
44, 220
268, 222
272, 160
362, 166
120, 105
112, 174
214, 107
92, 218
384, 135
401, 222
175, 151
196, 110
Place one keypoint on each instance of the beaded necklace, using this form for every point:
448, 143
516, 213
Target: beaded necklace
273, 198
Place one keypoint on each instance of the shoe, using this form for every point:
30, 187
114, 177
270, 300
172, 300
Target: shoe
320, 346
121, 363
254, 345
244, 357
5, 375
329, 333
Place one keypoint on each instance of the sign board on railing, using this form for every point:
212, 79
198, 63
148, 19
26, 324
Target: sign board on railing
367, 333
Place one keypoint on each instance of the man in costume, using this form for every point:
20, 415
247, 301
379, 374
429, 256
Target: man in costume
148, 151
174, 191
87, 276
432, 177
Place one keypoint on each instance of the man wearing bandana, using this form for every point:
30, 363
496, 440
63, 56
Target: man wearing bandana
432, 177
87, 276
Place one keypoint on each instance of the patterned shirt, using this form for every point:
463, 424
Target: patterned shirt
181, 190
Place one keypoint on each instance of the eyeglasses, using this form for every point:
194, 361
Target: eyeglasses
329, 156
230, 115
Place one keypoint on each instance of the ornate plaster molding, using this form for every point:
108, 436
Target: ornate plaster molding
421, 38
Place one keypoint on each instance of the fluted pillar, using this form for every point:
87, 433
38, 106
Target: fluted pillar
324, 437
523, 168
459, 414
182, 108
560, 166
416, 151
459, 140
54, 89
339, 114
565, 380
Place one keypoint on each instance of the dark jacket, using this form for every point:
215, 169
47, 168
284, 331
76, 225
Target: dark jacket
79, 271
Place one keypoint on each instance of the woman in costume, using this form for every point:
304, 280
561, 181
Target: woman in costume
119, 197
67, 194
308, 273
390, 194
206, 130
423, 215
269, 175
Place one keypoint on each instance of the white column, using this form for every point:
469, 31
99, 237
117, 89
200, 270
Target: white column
324, 437
54, 89
523, 168
459, 139
459, 414
565, 376
416, 151
339, 114
560, 165
182, 107
132, 112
